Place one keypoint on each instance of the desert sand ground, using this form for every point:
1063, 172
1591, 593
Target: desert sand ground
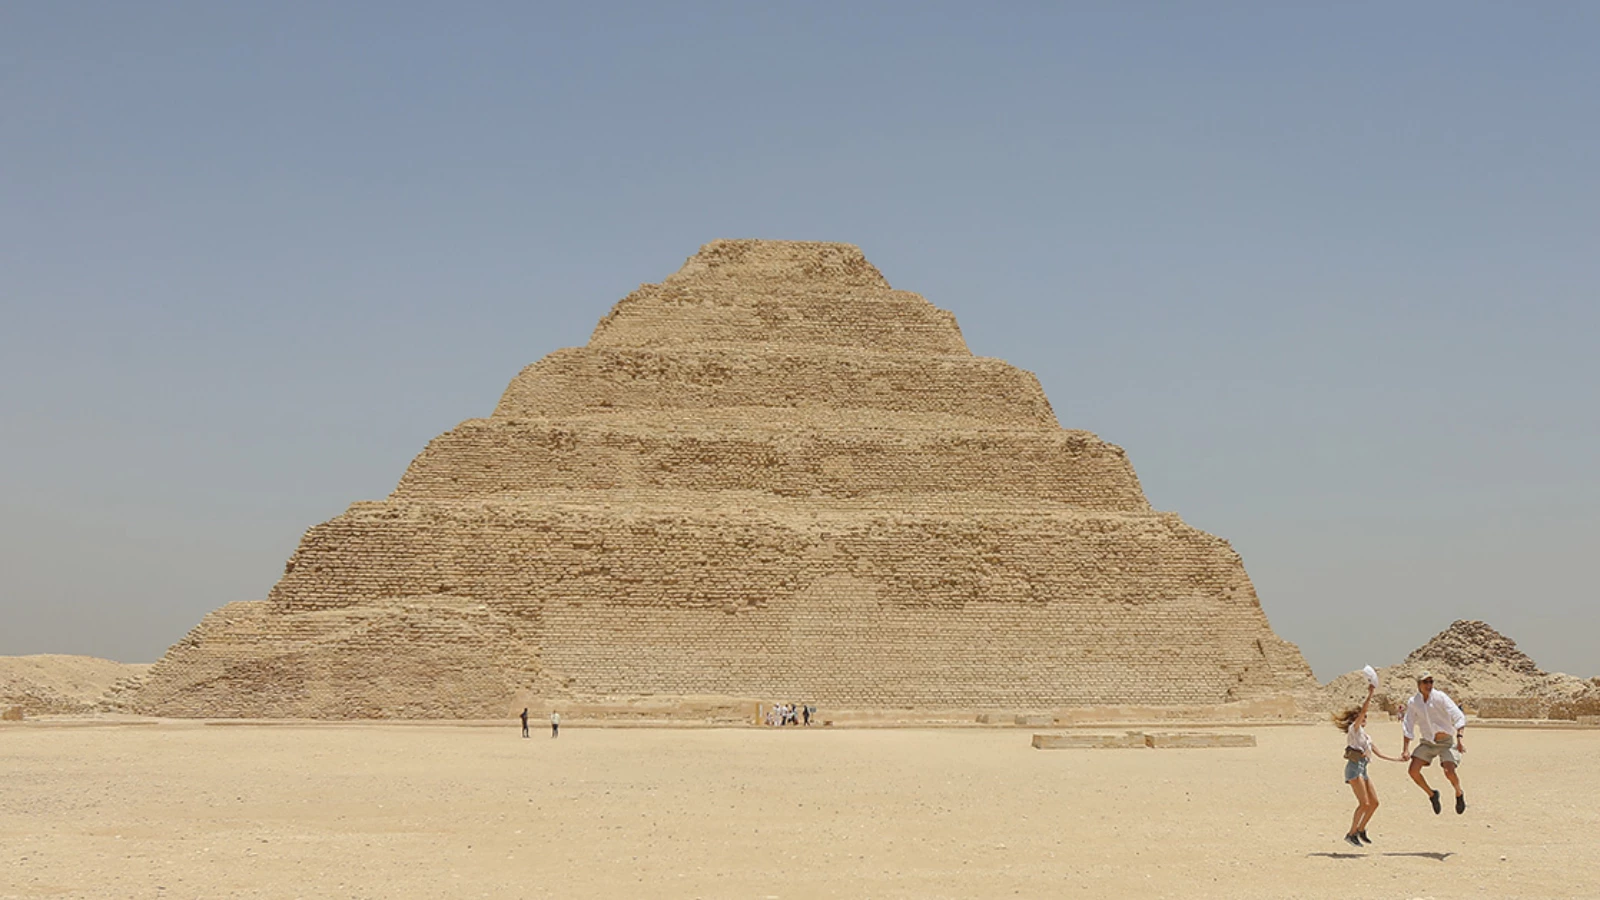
194, 810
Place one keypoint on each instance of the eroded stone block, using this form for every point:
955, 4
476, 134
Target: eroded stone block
1164, 740
1129, 740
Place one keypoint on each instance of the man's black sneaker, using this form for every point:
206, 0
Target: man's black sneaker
1363, 835
1352, 840
1461, 804
1434, 799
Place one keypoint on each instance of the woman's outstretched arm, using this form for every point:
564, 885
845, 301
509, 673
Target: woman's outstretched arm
1374, 749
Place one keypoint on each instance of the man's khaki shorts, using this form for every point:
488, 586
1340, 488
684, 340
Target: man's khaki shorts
1445, 752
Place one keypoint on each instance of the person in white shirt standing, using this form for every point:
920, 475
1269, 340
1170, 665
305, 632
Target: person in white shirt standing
1358, 748
1442, 726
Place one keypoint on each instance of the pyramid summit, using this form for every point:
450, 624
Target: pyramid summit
770, 475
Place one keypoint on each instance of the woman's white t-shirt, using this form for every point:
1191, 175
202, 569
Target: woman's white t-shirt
1356, 737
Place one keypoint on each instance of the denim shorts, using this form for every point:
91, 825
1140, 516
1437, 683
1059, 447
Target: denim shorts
1355, 768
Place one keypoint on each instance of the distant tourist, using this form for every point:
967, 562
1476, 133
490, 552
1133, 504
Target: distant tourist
806, 712
555, 724
524, 721
1441, 720
1358, 748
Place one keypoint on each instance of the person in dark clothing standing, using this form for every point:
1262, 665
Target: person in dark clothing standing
524, 721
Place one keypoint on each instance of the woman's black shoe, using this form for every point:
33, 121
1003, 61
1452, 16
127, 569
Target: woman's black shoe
1352, 840
1434, 799
1363, 835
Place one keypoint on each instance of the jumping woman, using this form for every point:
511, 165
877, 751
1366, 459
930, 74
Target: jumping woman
1358, 748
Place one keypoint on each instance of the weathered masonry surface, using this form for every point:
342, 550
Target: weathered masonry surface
770, 476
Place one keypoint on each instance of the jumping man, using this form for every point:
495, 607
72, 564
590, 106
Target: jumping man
1442, 724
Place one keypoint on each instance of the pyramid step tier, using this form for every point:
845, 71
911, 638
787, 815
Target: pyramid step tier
588, 381
489, 457
861, 318
836, 607
764, 265
747, 554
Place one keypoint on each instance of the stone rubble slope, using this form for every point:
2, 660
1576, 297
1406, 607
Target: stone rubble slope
52, 684
770, 476
1481, 669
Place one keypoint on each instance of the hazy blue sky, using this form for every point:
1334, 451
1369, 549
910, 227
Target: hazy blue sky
1328, 271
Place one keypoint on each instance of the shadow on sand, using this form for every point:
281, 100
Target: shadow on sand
1441, 857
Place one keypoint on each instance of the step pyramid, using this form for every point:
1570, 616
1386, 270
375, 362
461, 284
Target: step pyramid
769, 476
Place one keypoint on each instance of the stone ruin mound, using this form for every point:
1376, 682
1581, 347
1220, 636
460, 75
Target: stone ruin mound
771, 476
52, 684
1484, 671
1473, 646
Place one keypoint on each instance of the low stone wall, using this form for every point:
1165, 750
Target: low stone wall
1126, 741
1536, 708
1135, 740
1197, 739
1511, 707
1575, 709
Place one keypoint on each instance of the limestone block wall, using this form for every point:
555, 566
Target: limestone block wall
771, 475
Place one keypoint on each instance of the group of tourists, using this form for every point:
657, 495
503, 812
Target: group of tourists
1441, 726
555, 723
789, 714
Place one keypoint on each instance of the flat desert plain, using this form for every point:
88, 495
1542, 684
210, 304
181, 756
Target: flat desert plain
178, 809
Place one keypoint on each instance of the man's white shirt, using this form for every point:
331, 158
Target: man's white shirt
1435, 714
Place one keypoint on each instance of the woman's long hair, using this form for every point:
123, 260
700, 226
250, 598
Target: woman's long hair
1343, 720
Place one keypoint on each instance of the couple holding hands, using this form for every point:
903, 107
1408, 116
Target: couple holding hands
1429, 712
